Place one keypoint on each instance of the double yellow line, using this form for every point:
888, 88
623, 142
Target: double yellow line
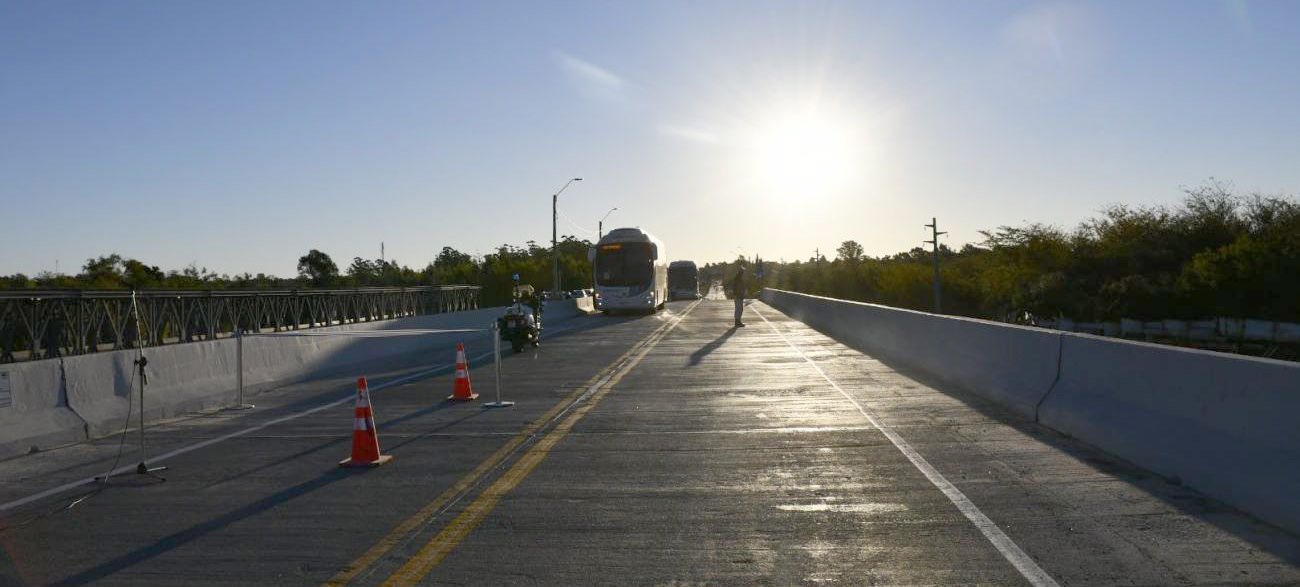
433, 552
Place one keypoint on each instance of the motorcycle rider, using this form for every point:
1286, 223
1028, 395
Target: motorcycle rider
527, 296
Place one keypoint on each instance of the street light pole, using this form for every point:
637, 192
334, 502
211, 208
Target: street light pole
555, 245
600, 226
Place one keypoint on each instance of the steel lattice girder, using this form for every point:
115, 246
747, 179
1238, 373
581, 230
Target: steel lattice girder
43, 324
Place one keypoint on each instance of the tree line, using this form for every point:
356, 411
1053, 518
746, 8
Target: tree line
1216, 253
316, 269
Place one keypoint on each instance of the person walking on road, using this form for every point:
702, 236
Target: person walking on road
738, 293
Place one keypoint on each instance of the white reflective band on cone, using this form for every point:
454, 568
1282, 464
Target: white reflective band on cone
359, 424
462, 374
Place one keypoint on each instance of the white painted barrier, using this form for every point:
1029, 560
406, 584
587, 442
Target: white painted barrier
190, 377
34, 412
565, 309
1226, 425
182, 378
1011, 365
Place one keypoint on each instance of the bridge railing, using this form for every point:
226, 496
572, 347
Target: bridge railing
1218, 329
43, 324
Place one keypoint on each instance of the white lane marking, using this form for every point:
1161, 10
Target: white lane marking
1014, 555
211, 441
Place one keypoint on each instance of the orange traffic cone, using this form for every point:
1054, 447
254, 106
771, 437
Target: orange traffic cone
462, 392
365, 439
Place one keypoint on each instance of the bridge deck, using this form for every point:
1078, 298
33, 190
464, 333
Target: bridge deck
662, 450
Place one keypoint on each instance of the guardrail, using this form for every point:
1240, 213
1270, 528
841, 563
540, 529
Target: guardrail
43, 324
1280, 340
1218, 329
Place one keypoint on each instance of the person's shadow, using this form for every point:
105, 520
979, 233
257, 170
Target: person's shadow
700, 353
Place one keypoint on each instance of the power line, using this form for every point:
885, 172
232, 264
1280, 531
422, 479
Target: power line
575, 224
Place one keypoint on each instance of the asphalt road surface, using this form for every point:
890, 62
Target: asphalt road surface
669, 449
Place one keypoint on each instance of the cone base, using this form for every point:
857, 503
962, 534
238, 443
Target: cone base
456, 398
382, 460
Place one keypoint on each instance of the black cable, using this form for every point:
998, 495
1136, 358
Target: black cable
101, 481
126, 427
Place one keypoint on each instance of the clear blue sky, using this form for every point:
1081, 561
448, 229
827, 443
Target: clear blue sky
238, 135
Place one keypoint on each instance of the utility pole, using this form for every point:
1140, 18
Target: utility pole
934, 229
381, 252
555, 244
555, 248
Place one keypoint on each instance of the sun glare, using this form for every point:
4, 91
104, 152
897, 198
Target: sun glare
804, 155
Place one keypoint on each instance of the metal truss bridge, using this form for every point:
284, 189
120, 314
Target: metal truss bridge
42, 324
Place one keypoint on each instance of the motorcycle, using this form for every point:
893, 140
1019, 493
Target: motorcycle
520, 326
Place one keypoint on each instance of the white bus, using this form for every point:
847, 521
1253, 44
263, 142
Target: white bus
630, 271
683, 281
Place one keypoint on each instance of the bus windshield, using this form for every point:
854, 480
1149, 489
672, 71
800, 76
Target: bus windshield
624, 265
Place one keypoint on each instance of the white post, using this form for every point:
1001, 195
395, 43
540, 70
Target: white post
496, 363
239, 369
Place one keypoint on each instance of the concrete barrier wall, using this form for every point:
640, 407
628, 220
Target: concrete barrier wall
38, 415
1225, 425
88, 396
565, 309
181, 378
1011, 365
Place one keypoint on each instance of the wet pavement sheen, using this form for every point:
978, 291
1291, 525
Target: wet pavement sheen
709, 455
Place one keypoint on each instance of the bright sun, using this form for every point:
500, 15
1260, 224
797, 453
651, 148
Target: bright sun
804, 155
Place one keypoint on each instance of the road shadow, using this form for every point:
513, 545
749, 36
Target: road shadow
713, 345
347, 438
183, 537
188, 535
322, 387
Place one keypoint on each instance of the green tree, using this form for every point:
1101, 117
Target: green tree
363, 271
450, 257
102, 273
318, 267
137, 275
849, 251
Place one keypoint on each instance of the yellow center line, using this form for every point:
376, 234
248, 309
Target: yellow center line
386, 544
432, 553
